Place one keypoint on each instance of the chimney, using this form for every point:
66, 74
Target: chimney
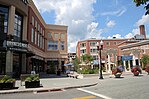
142, 31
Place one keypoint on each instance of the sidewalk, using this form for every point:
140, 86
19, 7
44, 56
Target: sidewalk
52, 84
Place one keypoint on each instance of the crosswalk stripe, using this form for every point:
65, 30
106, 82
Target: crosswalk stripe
93, 93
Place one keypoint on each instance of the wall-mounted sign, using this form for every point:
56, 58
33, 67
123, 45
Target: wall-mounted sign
126, 58
16, 44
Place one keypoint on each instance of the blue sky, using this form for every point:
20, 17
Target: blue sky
101, 19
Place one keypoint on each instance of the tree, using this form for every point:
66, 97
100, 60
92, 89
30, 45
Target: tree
143, 2
87, 58
76, 63
145, 60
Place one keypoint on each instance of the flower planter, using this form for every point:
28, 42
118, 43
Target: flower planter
136, 73
33, 84
7, 85
117, 75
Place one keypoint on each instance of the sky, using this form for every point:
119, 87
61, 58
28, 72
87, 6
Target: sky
100, 19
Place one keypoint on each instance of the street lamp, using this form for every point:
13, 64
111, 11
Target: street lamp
99, 50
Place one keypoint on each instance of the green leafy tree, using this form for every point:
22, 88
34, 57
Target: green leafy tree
76, 63
145, 60
87, 58
143, 2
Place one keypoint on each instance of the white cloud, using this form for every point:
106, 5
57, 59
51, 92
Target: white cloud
111, 23
133, 33
76, 14
118, 12
116, 36
143, 21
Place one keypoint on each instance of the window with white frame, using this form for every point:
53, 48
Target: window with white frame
62, 36
38, 39
35, 23
55, 35
53, 45
83, 44
35, 37
32, 36
83, 51
92, 43
33, 20
93, 50
49, 35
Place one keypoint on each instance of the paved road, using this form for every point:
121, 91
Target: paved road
129, 87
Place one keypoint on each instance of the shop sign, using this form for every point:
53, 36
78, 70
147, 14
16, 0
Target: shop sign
126, 58
16, 44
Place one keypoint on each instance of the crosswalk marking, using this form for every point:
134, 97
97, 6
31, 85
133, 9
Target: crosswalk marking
86, 97
93, 93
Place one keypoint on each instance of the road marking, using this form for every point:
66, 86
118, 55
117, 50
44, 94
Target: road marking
93, 93
86, 97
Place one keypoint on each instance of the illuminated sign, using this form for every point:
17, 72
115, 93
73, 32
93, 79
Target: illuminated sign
16, 44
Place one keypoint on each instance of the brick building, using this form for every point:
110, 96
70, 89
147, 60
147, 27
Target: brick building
24, 39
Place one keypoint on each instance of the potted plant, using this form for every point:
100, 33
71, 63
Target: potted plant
117, 72
147, 69
136, 70
7, 82
32, 81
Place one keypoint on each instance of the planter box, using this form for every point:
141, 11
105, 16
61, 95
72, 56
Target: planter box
136, 73
7, 86
33, 84
117, 75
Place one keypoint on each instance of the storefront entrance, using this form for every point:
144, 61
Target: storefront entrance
17, 65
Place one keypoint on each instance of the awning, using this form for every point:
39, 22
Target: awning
69, 64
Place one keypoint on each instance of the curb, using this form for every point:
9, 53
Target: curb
44, 89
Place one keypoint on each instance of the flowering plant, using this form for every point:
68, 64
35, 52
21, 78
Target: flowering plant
136, 71
117, 70
147, 69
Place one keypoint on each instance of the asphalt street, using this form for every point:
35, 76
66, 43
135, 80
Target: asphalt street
129, 87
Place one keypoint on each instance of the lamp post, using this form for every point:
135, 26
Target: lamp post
99, 50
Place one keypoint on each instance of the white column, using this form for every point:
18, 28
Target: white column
124, 62
139, 59
109, 64
9, 62
134, 61
129, 65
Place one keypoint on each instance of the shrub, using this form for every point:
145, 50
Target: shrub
7, 79
32, 78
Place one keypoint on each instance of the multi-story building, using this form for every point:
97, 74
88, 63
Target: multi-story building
24, 42
114, 50
109, 52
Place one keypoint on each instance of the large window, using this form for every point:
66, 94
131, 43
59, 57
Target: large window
55, 35
62, 45
53, 45
33, 36
18, 27
93, 50
92, 43
83, 45
62, 36
3, 19
49, 35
